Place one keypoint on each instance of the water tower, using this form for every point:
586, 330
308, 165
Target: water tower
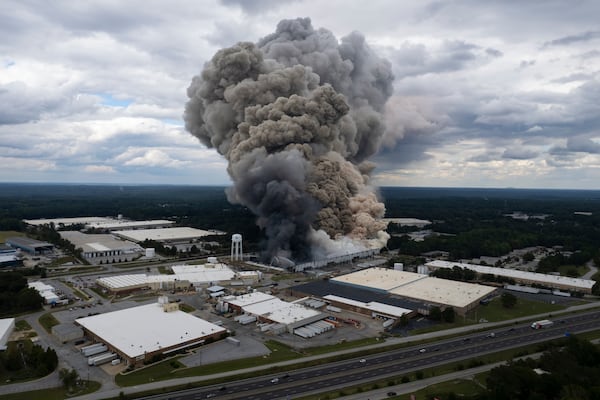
236, 247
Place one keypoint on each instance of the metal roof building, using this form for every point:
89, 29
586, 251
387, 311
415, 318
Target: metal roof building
138, 334
165, 235
526, 277
268, 308
103, 248
31, 246
418, 287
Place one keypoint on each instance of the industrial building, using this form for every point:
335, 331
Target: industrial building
418, 287
522, 277
129, 283
100, 223
184, 277
103, 248
165, 235
9, 257
7, 326
374, 308
140, 334
31, 246
46, 291
266, 308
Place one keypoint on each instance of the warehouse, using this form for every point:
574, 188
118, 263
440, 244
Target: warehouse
123, 224
46, 291
523, 277
63, 222
206, 274
374, 308
418, 287
129, 283
166, 235
30, 246
270, 309
145, 333
102, 248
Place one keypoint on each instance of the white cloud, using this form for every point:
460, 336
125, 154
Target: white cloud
498, 98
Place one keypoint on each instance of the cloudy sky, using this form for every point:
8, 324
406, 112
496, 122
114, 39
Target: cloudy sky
486, 94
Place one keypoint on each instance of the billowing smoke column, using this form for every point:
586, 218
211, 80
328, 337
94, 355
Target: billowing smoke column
297, 115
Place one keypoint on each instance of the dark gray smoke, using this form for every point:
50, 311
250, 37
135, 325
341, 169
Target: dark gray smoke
297, 115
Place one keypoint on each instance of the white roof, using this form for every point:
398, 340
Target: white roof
190, 273
379, 278
41, 287
123, 281
138, 330
444, 291
203, 273
123, 223
98, 242
178, 233
248, 299
408, 221
6, 327
67, 221
516, 274
372, 305
268, 306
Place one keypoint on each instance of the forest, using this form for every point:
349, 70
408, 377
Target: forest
468, 222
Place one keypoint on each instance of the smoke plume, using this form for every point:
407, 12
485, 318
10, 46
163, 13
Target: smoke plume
297, 115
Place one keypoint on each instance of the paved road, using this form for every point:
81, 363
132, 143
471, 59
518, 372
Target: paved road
593, 269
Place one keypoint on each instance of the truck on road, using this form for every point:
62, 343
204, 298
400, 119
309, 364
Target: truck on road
545, 323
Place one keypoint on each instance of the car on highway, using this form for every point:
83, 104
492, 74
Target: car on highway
362, 361
422, 350
274, 380
391, 394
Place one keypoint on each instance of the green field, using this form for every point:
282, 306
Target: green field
494, 311
6, 234
59, 393
48, 321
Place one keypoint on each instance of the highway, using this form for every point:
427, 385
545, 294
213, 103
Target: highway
288, 385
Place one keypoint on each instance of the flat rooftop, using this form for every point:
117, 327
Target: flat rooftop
67, 221
144, 329
98, 242
379, 278
164, 234
248, 299
123, 281
408, 221
206, 273
124, 224
444, 291
516, 274
371, 305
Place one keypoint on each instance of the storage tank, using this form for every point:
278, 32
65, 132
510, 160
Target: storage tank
423, 270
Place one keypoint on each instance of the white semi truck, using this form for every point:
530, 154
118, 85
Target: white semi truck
545, 323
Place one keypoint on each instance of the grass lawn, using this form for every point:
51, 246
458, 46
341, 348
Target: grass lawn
494, 312
463, 388
22, 325
48, 321
6, 234
171, 369
51, 394
565, 269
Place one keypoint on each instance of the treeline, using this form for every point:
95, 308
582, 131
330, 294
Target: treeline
15, 296
202, 207
25, 360
568, 371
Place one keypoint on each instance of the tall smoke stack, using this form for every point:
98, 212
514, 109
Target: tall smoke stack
297, 115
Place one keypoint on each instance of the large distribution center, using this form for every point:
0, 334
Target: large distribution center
165, 235
102, 248
440, 292
139, 334
525, 277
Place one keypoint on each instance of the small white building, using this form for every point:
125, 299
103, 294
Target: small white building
7, 326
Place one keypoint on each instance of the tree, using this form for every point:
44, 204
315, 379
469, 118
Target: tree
508, 300
448, 315
69, 378
435, 313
